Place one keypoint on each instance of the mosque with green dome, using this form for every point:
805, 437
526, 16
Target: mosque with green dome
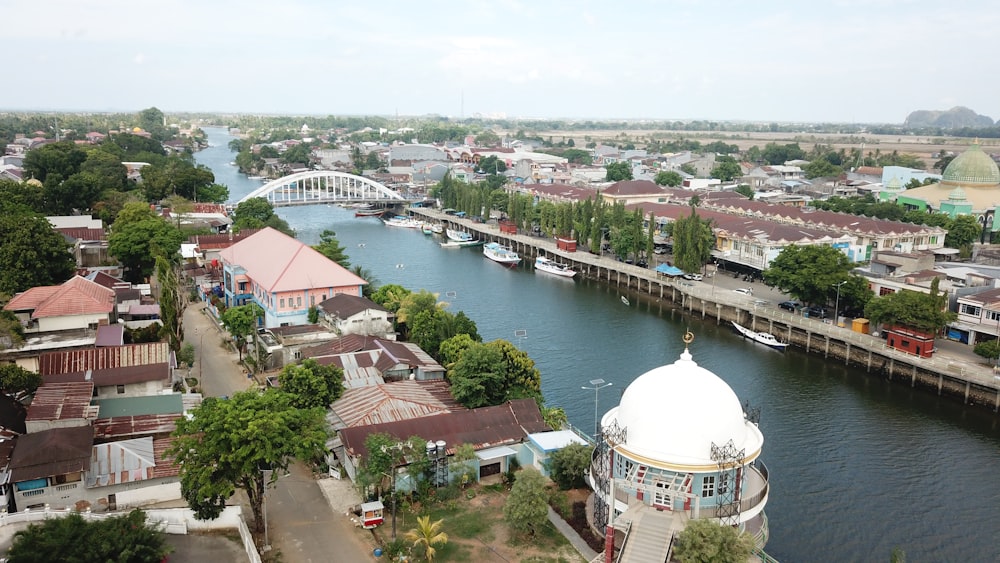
970, 185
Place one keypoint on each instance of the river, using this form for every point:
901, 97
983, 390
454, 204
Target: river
858, 465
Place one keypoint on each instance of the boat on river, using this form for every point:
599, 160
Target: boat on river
501, 254
402, 221
765, 338
543, 264
368, 212
456, 244
458, 236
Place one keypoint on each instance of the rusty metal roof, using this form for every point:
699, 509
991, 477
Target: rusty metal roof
51, 452
114, 376
392, 402
68, 361
484, 427
63, 401
342, 345
139, 425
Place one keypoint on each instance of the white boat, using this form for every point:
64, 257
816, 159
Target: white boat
437, 228
501, 254
402, 221
458, 236
543, 264
765, 338
456, 244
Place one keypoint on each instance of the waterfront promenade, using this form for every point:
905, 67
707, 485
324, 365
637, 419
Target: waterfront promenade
952, 371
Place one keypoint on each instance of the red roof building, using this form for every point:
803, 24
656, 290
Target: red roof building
77, 304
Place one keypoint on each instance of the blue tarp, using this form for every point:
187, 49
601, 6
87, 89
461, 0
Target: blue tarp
669, 270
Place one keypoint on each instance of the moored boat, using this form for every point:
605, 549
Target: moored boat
458, 236
501, 254
402, 221
437, 228
373, 212
765, 338
543, 264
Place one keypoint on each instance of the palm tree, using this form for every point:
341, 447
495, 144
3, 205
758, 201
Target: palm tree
427, 535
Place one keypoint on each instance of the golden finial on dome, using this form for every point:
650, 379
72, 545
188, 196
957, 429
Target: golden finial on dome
688, 338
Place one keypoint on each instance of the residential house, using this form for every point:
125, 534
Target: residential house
634, 191
393, 361
978, 318
75, 305
351, 314
50, 465
282, 275
132, 370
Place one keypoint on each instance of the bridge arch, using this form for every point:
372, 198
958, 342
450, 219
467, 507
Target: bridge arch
324, 186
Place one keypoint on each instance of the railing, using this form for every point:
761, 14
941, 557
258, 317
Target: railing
621, 551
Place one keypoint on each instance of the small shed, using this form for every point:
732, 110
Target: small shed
860, 325
910, 340
371, 514
508, 227
569, 245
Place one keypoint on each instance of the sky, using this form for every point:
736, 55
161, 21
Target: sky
863, 61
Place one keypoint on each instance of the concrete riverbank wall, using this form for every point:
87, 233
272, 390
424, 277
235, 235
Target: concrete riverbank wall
971, 383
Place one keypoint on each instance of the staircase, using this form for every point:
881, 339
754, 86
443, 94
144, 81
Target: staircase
649, 539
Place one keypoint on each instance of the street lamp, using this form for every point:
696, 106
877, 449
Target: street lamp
836, 306
598, 384
386, 449
263, 497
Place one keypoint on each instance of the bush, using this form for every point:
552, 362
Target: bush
989, 349
186, 354
569, 465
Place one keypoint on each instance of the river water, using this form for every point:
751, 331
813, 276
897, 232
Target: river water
858, 465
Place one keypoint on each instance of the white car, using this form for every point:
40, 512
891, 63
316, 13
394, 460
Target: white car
692, 277
744, 290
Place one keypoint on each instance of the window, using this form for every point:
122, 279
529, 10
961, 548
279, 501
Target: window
708, 486
120, 389
885, 291
282, 302
298, 301
243, 287
724, 483
993, 315
971, 310
312, 300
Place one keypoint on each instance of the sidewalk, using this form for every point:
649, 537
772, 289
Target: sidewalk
571, 535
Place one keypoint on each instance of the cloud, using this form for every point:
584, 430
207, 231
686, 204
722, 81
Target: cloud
139, 58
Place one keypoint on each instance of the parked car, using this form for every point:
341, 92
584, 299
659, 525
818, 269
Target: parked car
693, 277
744, 290
789, 305
642, 263
816, 311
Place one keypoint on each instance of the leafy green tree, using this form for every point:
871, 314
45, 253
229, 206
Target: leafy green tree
618, 171
491, 165
313, 315
138, 236
526, 509
257, 213
569, 466
913, 309
151, 120
17, 195
668, 178
17, 382
477, 380
821, 168
943, 162
854, 294
706, 540
487, 139
390, 296
186, 354
726, 169
125, 538
330, 247
521, 378
989, 349
555, 417
241, 323
746, 190
963, 231
426, 535
578, 156
311, 384
689, 169
229, 444
32, 253
774, 153
451, 349
809, 272
61, 160
693, 242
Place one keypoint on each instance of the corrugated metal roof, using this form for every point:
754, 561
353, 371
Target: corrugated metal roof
124, 461
114, 376
139, 425
484, 427
68, 361
392, 402
110, 335
136, 406
51, 452
63, 401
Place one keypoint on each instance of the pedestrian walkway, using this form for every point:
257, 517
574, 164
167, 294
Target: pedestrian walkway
571, 535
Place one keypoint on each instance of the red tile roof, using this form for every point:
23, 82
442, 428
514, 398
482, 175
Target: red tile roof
278, 262
78, 296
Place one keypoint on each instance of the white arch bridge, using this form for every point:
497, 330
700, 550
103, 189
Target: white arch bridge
325, 186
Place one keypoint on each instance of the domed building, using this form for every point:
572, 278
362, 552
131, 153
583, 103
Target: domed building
970, 185
679, 446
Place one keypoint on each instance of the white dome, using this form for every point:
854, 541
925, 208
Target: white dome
674, 413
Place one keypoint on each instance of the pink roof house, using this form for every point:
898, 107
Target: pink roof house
76, 304
282, 275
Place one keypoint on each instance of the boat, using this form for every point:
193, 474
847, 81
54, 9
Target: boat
457, 244
458, 236
501, 254
373, 212
427, 229
765, 338
437, 228
402, 221
625, 300
543, 264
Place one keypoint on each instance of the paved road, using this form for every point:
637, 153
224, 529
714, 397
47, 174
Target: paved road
301, 524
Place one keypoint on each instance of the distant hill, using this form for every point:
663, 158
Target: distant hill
955, 118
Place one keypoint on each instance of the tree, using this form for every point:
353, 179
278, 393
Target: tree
689, 169
693, 242
243, 442
963, 231
726, 169
922, 311
330, 247
808, 272
618, 171
172, 301
706, 540
426, 535
477, 379
554, 417
138, 236
72, 538
312, 315
578, 156
311, 384
821, 168
152, 121
61, 160
668, 178
521, 378
569, 465
989, 349
17, 382
241, 322
32, 253
526, 509
746, 190
257, 213
390, 296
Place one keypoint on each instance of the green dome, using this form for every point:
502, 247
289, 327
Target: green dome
972, 167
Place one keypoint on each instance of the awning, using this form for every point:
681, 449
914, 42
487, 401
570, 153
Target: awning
669, 270
493, 453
